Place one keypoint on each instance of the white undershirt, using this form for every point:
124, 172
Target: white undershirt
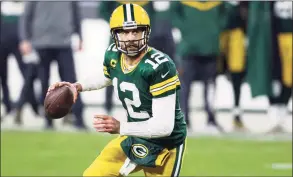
163, 109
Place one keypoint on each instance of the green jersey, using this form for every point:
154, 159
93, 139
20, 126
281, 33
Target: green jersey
155, 76
283, 13
200, 24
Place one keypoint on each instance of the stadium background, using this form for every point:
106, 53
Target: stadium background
61, 153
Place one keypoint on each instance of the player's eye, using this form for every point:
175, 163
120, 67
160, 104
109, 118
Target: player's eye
135, 31
122, 32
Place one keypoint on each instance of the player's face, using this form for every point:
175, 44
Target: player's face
131, 40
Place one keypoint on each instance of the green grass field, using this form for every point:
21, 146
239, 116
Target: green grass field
68, 154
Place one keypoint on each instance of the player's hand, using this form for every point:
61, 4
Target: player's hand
105, 123
60, 84
25, 47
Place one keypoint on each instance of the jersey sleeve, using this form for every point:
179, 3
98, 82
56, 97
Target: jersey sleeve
165, 80
107, 64
106, 69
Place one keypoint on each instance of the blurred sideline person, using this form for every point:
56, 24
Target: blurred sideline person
269, 70
47, 27
233, 50
282, 74
161, 35
200, 24
152, 137
10, 12
27, 93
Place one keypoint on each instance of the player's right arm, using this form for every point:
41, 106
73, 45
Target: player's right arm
98, 82
94, 82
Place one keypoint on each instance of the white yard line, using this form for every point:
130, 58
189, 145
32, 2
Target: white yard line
281, 166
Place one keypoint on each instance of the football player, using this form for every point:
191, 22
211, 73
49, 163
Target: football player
282, 63
233, 48
161, 37
152, 138
200, 25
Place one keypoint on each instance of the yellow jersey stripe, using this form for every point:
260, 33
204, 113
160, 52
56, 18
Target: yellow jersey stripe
171, 87
106, 73
164, 82
167, 85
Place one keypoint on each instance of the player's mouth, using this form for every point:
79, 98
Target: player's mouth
132, 47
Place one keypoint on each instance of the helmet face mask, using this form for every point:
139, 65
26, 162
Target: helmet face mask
133, 47
126, 19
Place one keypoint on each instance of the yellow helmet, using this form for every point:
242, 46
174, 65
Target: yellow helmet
127, 17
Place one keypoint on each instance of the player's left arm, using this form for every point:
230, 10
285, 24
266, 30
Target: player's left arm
161, 124
164, 83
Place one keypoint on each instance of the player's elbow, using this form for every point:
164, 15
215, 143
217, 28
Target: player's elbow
164, 130
167, 131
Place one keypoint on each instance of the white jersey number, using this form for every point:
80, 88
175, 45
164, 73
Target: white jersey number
127, 86
159, 58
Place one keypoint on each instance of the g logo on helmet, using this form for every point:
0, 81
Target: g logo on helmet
139, 150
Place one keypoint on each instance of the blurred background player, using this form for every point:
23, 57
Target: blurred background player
270, 54
200, 24
233, 50
282, 61
31, 61
48, 28
161, 35
10, 12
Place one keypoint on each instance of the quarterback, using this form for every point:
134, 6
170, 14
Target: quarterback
152, 138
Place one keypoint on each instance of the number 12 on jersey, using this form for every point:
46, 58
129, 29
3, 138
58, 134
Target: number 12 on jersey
127, 86
159, 58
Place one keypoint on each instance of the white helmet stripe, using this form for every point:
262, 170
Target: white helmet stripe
128, 13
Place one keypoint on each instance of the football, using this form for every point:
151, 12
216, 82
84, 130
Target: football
58, 102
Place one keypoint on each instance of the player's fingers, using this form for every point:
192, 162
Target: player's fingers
104, 130
102, 117
52, 87
99, 126
98, 122
109, 126
75, 97
101, 130
74, 91
60, 84
102, 121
